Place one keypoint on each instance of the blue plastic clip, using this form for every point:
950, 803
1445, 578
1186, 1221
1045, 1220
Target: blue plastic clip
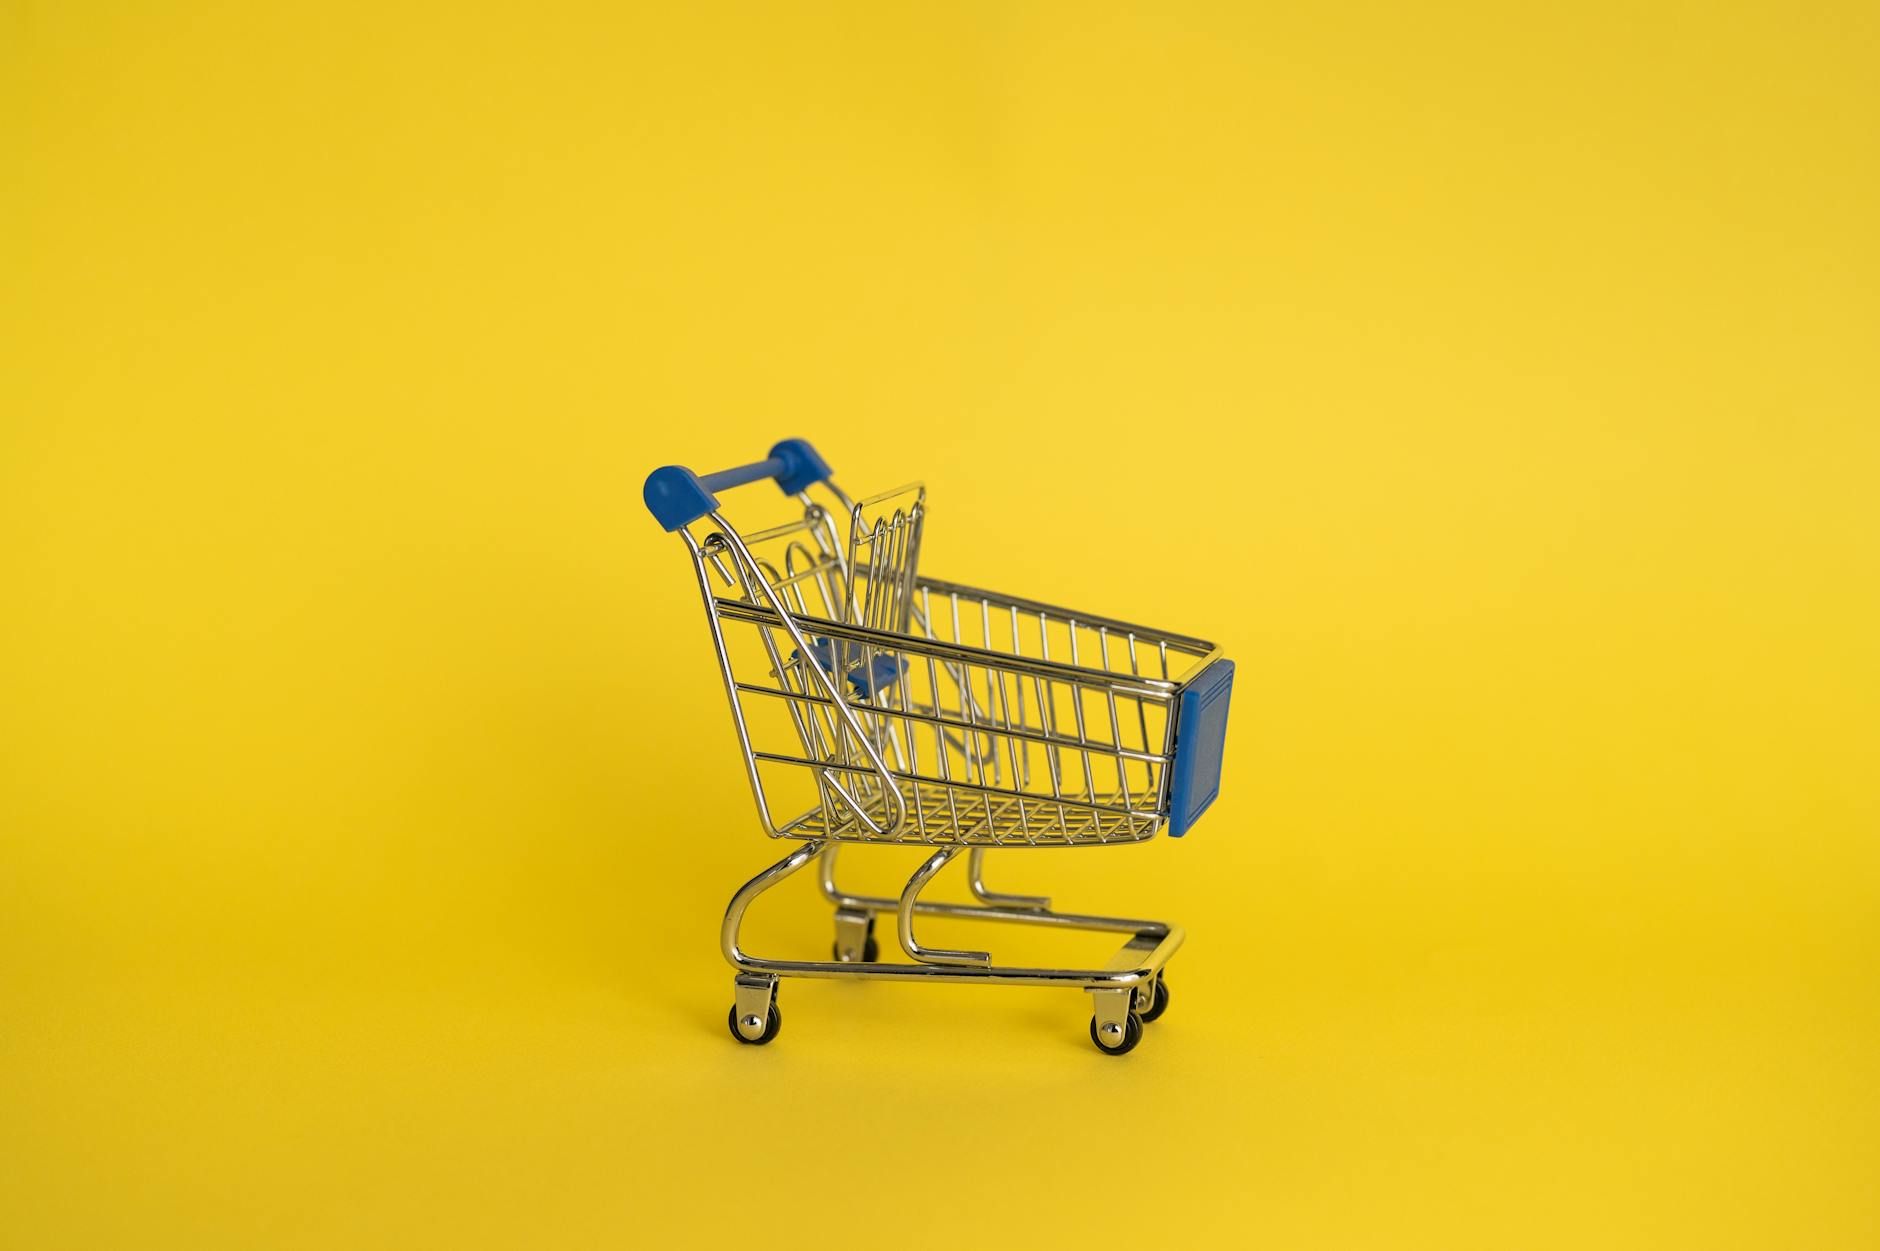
879, 676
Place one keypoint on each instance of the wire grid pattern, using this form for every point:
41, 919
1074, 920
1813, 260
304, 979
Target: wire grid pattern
984, 750
993, 753
965, 718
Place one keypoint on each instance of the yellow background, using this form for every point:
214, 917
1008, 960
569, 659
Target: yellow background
1497, 383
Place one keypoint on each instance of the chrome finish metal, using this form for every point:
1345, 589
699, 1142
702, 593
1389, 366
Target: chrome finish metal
976, 883
904, 917
852, 928
756, 995
910, 711
1111, 1009
1137, 963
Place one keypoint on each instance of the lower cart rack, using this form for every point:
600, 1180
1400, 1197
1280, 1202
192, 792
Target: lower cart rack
1126, 993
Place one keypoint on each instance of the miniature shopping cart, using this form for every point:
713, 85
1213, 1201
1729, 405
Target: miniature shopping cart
874, 705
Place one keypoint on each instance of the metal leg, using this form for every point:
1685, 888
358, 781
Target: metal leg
976, 883
755, 1018
1120, 990
741, 902
855, 919
1151, 943
993, 905
826, 877
904, 917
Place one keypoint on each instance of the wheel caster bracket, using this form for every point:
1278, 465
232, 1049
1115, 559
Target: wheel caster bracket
754, 1016
1115, 1026
855, 937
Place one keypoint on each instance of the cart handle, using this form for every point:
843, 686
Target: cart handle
677, 497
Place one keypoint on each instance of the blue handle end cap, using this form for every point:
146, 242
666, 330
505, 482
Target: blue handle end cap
676, 497
1200, 746
803, 467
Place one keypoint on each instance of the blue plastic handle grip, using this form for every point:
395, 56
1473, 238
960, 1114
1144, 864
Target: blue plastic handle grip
677, 497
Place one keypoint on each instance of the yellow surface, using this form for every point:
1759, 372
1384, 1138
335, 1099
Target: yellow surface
1497, 383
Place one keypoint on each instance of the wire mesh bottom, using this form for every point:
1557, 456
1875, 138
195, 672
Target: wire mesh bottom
944, 815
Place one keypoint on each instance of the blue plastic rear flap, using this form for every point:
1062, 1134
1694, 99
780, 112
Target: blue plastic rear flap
1200, 743
880, 676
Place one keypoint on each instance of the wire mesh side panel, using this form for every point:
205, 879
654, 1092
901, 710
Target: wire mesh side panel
987, 750
980, 743
797, 741
884, 557
1019, 627
987, 753
1120, 717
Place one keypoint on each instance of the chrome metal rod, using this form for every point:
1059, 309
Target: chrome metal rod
976, 883
741, 902
985, 912
904, 917
1138, 973
909, 645
1137, 962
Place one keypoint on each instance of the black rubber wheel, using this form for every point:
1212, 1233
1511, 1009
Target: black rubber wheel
772, 1024
1132, 1034
1159, 1003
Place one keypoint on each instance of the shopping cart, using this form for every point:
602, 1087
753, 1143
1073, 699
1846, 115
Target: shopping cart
875, 705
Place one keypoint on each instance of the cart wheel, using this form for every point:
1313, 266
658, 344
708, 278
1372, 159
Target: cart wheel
1160, 1003
772, 1023
1132, 1034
